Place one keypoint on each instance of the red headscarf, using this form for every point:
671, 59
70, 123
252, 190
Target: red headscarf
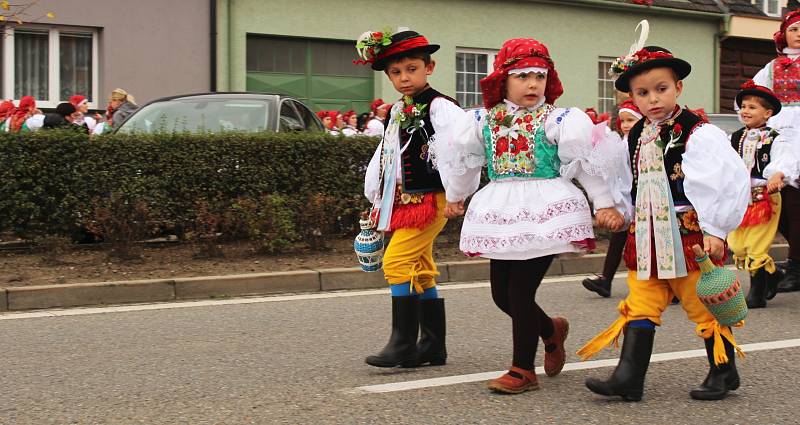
376, 104
631, 108
321, 114
333, 115
780, 36
26, 105
77, 100
7, 109
520, 53
348, 114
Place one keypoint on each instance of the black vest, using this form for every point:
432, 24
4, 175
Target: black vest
672, 160
763, 154
417, 170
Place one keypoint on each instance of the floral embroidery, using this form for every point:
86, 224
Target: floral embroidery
411, 114
513, 138
677, 172
524, 241
551, 211
689, 222
785, 79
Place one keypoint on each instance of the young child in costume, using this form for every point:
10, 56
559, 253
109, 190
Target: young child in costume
689, 187
376, 123
628, 114
408, 195
530, 211
781, 75
771, 161
350, 120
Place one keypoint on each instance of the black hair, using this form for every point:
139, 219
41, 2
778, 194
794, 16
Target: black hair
761, 101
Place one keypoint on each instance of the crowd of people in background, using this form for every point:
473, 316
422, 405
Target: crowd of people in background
349, 123
71, 115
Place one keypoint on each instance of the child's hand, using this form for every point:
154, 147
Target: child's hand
775, 183
714, 246
454, 209
610, 219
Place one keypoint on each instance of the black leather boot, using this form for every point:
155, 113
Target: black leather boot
627, 380
431, 348
791, 278
402, 346
599, 284
772, 283
720, 379
757, 295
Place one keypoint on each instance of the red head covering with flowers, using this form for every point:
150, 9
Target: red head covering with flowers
519, 53
6, 109
790, 19
78, 100
26, 105
348, 114
629, 107
333, 115
377, 104
322, 114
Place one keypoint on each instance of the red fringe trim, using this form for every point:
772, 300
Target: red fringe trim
587, 245
419, 216
687, 240
758, 212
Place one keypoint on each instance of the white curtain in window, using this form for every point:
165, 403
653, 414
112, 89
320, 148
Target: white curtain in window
75, 66
30, 65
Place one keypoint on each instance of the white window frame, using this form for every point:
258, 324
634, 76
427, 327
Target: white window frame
605, 79
54, 63
764, 5
490, 55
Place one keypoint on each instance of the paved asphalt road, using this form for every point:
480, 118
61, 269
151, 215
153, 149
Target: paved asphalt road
300, 361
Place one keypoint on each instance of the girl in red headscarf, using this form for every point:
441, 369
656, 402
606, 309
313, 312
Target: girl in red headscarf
7, 109
781, 76
350, 121
530, 211
26, 117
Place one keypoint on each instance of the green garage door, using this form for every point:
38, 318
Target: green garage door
319, 72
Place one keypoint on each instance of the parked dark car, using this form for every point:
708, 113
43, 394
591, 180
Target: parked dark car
218, 112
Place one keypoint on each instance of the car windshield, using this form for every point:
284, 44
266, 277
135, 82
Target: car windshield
197, 115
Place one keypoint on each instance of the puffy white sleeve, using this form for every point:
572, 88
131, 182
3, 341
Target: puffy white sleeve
372, 179
374, 128
716, 181
457, 149
621, 183
783, 157
764, 76
35, 122
572, 129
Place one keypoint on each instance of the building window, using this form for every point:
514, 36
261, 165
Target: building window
605, 86
50, 64
471, 66
770, 7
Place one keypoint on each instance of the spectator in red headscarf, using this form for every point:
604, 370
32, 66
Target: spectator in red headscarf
375, 126
26, 117
350, 121
7, 109
81, 104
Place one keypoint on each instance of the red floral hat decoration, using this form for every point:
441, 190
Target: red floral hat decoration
790, 19
322, 114
750, 88
520, 53
379, 47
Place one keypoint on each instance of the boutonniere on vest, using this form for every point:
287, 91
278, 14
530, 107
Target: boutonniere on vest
674, 138
411, 114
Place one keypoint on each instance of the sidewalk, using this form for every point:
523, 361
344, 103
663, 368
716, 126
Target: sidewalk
158, 290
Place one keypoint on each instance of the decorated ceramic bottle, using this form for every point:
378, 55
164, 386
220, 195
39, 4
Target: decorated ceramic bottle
369, 246
720, 291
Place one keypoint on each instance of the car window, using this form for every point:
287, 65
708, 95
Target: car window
309, 119
202, 114
289, 119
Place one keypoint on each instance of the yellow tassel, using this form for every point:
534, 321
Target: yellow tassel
414, 281
607, 337
713, 329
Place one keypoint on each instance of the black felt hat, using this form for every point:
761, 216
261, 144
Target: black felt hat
750, 88
403, 44
648, 58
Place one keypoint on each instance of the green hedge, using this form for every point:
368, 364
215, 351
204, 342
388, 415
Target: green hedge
56, 182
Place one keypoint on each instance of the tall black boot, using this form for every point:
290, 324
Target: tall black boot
720, 379
402, 346
772, 283
757, 295
791, 278
627, 380
431, 348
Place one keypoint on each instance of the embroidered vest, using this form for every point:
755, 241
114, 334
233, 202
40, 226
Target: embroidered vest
677, 129
517, 146
786, 80
763, 152
418, 173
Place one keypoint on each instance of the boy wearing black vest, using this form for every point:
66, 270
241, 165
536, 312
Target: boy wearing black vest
689, 187
408, 195
769, 158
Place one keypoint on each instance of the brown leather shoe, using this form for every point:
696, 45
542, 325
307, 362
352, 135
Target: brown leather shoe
510, 384
554, 360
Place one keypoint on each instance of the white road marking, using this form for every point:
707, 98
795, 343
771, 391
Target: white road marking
594, 364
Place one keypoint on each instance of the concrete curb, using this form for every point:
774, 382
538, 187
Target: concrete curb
143, 291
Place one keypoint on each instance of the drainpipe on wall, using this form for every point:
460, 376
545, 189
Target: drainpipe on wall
213, 44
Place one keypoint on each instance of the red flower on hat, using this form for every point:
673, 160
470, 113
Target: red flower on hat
749, 84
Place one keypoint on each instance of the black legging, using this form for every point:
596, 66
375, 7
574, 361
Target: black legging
514, 285
614, 254
789, 224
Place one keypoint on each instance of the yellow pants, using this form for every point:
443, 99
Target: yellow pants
750, 245
409, 256
647, 299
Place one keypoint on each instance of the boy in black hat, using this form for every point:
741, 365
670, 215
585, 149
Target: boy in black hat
689, 187
771, 161
408, 195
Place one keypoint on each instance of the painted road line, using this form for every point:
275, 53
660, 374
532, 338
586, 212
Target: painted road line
594, 364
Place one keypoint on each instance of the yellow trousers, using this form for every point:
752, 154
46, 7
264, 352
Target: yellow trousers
409, 257
647, 299
750, 245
